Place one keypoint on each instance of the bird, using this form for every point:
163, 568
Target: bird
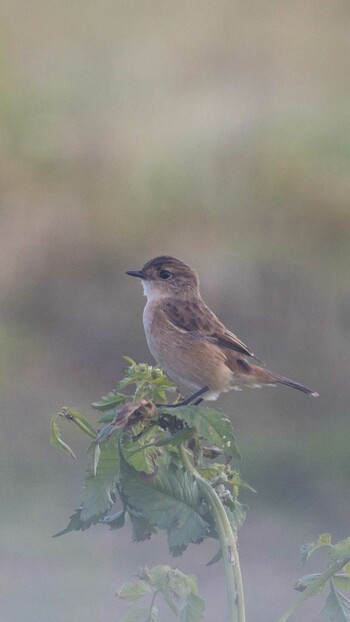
190, 343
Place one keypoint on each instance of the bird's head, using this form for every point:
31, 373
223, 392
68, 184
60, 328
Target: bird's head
167, 277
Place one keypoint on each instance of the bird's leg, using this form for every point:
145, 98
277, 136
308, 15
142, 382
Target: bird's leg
187, 401
198, 401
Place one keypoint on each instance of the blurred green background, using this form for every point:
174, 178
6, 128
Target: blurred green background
218, 132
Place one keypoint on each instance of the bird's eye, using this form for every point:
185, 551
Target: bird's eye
164, 274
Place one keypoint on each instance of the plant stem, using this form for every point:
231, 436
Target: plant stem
313, 588
227, 540
151, 606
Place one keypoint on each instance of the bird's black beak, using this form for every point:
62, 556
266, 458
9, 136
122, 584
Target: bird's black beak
137, 273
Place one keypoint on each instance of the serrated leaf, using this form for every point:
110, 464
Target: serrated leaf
109, 401
171, 582
177, 550
141, 528
341, 549
125, 382
192, 610
171, 501
212, 425
55, 439
134, 591
114, 521
147, 574
181, 585
176, 439
99, 490
307, 549
337, 607
180, 591
141, 453
76, 524
150, 382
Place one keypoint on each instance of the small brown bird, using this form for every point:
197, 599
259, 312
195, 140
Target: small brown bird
189, 342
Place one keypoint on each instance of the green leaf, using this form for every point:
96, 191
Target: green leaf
141, 528
164, 382
109, 401
342, 581
180, 591
55, 439
237, 482
180, 584
134, 591
236, 513
129, 360
114, 521
192, 610
108, 417
170, 581
142, 453
210, 471
75, 415
337, 607
105, 432
76, 524
341, 549
99, 490
176, 439
171, 500
150, 382
307, 549
212, 425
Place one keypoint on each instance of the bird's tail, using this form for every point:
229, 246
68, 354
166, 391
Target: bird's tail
268, 377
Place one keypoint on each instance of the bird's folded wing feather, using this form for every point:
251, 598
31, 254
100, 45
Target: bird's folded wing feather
197, 319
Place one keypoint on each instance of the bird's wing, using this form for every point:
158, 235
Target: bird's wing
196, 318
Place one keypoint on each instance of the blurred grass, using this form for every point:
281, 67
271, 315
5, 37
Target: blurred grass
216, 133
